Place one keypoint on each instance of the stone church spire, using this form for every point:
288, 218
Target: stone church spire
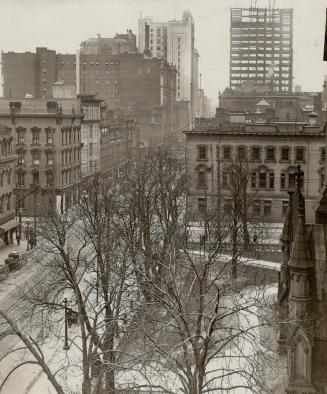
300, 306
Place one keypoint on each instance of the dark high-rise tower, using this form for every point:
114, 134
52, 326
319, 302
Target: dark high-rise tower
261, 47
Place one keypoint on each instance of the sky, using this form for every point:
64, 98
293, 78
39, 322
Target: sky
62, 24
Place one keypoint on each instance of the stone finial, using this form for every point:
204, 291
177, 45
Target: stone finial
287, 233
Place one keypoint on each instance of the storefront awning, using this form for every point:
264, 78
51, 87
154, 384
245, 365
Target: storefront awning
9, 225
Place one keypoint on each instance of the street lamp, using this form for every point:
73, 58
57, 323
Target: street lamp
66, 345
27, 232
36, 190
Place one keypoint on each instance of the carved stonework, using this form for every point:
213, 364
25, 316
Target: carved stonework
299, 364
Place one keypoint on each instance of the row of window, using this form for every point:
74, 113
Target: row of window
70, 175
97, 63
254, 153
5, 147
67, 176
36, 156
70, 156
21, 135
260, 208
264, 180
70, 134
21, 175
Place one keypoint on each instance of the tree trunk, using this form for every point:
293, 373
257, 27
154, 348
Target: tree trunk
234, 253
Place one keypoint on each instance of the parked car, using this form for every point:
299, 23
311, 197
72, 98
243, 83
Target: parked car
13, 261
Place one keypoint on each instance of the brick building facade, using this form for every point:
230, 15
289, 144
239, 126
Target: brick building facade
98, 66
35, 73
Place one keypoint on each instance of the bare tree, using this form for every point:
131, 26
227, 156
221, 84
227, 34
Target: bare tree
203, 326
85, 260
153, 210
237, 216
150, 310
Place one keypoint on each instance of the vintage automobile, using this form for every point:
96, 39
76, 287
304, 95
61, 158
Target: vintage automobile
13, 261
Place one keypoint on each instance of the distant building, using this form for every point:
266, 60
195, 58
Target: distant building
173, 41
147, 90
273, 152
302, 299
284, 106
98, 66
90, 127
261, 48
91, 135
119, 144
35, 73
47, 137
8, 162
109, 142
203, 105
121, 43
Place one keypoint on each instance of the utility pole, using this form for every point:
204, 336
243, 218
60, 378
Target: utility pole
191, 105
325, 59
35, 216
325, 46
218, 184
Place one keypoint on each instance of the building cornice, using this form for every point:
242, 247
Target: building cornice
38, 115
270, 134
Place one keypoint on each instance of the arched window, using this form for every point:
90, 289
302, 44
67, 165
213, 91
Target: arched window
8, 177
300, 361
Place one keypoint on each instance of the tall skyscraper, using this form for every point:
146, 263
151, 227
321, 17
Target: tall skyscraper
173, 41
261, 47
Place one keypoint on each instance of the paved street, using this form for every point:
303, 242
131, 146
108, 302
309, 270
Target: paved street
29, 378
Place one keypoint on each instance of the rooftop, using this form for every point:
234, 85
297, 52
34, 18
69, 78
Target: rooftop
212, 126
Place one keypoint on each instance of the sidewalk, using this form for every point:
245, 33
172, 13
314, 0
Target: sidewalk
6, 249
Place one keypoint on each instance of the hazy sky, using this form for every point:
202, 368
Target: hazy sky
63, 24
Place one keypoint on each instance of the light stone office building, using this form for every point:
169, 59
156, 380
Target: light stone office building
272, 151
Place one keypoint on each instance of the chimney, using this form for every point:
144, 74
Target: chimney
15, 106
317, 107
52, 107
313, 118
